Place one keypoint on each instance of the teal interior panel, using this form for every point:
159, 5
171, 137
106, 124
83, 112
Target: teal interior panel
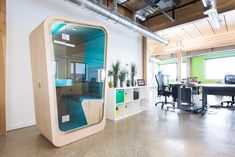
94, 56
64, 82
79, 54
75, 111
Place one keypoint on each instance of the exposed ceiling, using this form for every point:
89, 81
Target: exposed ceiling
192, 11
182, 11
135, 5
181, 21
197, 35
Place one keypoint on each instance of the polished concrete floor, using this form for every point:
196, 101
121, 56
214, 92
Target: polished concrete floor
153, 133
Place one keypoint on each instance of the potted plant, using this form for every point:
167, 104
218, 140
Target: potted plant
110, 74
133, 74
115, 72
122, 76
128, 83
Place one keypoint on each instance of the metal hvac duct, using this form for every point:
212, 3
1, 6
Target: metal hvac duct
211, 11
113, 15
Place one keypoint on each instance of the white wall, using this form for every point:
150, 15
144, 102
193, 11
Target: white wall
22, 17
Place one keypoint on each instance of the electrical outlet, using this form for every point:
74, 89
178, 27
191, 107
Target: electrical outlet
65, 37
65, 118
68, 118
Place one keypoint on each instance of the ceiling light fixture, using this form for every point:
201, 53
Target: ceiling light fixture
214, 18
211, 11
63, 43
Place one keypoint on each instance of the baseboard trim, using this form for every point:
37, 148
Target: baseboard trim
20, 126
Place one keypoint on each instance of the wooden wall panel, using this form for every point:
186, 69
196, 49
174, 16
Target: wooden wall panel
145, 59
204, 27
203, 35
230, 20
187, 14
215, 41
2, 66
193, 31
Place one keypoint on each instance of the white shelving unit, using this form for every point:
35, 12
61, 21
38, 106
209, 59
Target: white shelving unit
126, 105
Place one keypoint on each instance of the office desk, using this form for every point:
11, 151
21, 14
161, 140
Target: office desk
178, 86
189, 107
215, 89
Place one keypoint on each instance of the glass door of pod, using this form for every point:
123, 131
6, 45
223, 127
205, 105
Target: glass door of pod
79, 63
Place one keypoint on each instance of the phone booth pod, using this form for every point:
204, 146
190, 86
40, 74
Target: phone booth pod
68, 58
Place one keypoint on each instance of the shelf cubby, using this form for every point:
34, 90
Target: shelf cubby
131, 104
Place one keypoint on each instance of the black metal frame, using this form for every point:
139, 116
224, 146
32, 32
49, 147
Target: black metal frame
165, 102
152, 4
215, 90
174, 9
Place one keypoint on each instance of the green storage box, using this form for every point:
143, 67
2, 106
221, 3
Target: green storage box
119, 96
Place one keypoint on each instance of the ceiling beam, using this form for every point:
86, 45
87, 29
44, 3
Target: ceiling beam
210, 42
121, 9
2, 67
186, 14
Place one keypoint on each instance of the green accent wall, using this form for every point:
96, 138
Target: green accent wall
198, 65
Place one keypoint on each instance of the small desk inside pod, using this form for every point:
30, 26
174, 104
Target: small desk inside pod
68, 58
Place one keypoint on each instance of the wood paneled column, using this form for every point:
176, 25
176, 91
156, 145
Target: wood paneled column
145, 59
179, 65
2, 66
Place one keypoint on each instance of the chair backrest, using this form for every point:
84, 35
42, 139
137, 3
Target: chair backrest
229, 79
160, 82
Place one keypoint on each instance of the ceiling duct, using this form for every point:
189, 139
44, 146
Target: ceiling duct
153, 6
120, 2
113, 15
211, 11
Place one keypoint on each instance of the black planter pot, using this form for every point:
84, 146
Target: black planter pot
132, 82
128, 83
121, 84
115, 81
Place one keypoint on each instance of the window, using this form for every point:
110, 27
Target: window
219, 67
78, 71
170, 70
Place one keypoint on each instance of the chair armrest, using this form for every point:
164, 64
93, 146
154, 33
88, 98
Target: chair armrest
167, 88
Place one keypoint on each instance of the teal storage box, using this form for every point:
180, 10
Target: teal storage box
119, 96
64, 82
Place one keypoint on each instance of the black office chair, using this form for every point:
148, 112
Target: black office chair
229, 79
161, 89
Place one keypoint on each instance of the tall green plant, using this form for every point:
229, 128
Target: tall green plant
110, 75
115, 72
122, 76
133, 73
116, 68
